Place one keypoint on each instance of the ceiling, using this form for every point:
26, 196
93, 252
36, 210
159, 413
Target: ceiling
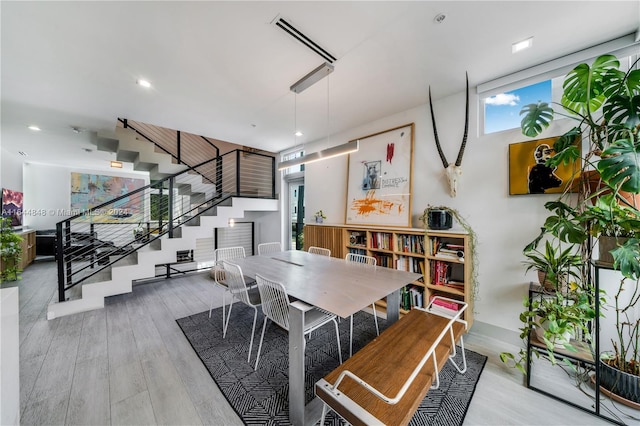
223, 70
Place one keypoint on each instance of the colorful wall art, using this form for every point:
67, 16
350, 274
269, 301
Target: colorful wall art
89, 191
379, 179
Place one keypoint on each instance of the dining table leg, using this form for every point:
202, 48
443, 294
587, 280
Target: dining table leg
393, 307
296, 364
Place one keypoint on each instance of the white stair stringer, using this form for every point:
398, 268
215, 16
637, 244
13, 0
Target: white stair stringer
140, 152
123, 274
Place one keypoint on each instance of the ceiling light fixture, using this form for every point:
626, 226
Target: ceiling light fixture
24, 154
521, 45
440, 17
312, 78
34, 128
327, 153
143, 83
116, 164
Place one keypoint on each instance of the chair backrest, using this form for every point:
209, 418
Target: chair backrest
228, 253
361, 258
320, 251
275, 301
266, 248
235, 281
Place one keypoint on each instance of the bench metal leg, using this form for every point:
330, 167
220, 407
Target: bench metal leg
324, 413
464, 355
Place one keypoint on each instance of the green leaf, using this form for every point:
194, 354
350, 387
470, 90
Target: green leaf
625, 258
622, 110
536, 118
621, 166
583, 86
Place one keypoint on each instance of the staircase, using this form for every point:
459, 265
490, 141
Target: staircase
101, 259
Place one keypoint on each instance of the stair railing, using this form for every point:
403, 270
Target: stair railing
98, 237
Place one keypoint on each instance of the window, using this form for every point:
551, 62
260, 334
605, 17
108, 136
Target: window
502, 111
291, 156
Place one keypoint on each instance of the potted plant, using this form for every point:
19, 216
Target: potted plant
556, 320
319, 215
10, 251
555, 265
604, 102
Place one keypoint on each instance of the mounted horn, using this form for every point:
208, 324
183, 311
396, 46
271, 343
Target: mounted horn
452, 171
445, 163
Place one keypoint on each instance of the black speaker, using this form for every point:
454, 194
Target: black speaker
439, 219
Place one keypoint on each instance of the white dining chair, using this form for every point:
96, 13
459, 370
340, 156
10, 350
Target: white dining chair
217, 273
365, 260
266, 248
275, 306
319, 250
239, 291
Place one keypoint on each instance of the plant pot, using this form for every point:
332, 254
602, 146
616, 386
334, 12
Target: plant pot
549, 285
620, 383
605, 245
593, 180
559, 340
318, 219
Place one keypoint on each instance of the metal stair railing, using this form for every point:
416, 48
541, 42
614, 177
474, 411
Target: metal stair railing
96, 238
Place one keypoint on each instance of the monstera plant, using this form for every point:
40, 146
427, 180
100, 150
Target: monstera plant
603, 100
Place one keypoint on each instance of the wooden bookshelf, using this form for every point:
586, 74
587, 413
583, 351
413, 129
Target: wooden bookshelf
401, 248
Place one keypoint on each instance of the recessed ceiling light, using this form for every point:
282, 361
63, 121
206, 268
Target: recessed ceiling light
116, 164
299, 133
24, 154
521, 45
143, 83
440, 17
34, 128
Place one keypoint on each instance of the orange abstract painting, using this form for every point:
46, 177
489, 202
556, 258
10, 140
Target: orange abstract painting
379, 179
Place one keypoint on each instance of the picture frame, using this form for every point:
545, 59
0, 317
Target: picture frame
379, 179
528, 173
91, 190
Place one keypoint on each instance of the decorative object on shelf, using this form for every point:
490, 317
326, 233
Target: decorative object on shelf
10, 251
379, 179
529, 173
473, 240
320, 217
439, 219
603, 100
453, 172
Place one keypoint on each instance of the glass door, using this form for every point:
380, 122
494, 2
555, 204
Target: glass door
296, 214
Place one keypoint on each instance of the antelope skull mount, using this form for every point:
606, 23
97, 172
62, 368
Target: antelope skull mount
453, 172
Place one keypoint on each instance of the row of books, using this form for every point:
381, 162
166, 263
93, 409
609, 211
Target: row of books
357, 251
411, 296
447, 249
446, 307
384, 260
381, 240
411, 243
411, 264
441, 274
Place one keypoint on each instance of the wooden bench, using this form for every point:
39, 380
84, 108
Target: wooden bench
385, 381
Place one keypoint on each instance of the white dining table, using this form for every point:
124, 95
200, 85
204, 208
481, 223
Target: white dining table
328, 283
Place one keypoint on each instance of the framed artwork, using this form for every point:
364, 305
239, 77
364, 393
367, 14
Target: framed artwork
379, 179
528, 173
12, 206
88, 191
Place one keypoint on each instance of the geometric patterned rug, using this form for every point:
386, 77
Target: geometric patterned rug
261, 397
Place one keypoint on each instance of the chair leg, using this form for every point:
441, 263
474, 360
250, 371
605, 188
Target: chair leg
335, 322
253, 332
350, 336
225, 324
324, 413
264, 326
375, 318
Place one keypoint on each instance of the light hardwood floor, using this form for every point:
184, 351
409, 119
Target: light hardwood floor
130, 364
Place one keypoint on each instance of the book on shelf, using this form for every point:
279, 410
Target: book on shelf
410, 296
448, 304
442, 310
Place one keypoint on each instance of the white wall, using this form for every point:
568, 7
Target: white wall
11, 174
47, 192
504, 224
